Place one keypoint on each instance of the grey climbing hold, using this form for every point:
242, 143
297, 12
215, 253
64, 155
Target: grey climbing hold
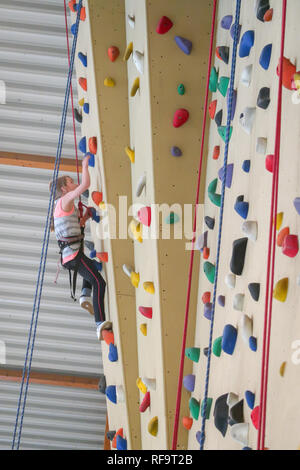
221, 412
221, 300
262, 6
210, 222
263, 99
218, 117
239, 247
236, 412
254, 289
102, 384
238, 302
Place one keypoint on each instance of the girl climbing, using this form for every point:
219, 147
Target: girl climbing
68, 227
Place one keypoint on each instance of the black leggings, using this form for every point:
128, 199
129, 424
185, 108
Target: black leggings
91, 279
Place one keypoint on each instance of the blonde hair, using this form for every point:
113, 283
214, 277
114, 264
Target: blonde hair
61, 181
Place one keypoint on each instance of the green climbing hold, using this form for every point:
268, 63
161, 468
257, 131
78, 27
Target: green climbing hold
215, 198
193, 354
208, 407
213, 80
222, 132
217, 346
209, 270
223, 85
172, 218
181, 89
194, 406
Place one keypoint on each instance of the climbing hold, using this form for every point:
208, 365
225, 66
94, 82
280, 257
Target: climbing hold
253, 343
121, 443
246, 166
110, 435
164, 25
138, 60
74, 29
265, 56
261, 145
289, 71
113, 53
212, 108
290, 246
83, 58
146, 311
216, 152
172, 218
82, 14
208, 310
140, 385
131, 21
238, 302
241, 207
268, 15
143, 329
180, 117
149, 287
83, 83
176, 151
193, 354
215, 198
201, 241
210, 222
247, 119
297, 204
78, 115
88, 244
230, 280
144, 215
145, 402
279, 218
222, 52
229, 339
209, 270
232, 31
222, 130
82, 145
232, 399
254, 289
250, 229
206, 297
223, 85
113, 353
263, 99
250, 399
282, 369
255, 416
108, 337
181, 89
207, 407
97, 197
281, 235
246, 324
128, 51
281, 289
71, 5
269, 162
86, 108
135, 279
153, 426
114, 441
246, 75
187, 422
91, 160
238, 256
233, 104
262, 6
81, 102
130, 153
93, 145
103, 256
239, 432
221, 413
135, 87
221, 300
150, 383
246, 43
229, 174
184, 44
111, 393
189, 382
200, 436
213, 80
140, 185
226, 21
206, 252
217, 346
102, 384
120, 394
236, 412
136, 230
194, 406
218, 117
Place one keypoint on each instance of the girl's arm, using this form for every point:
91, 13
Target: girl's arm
68, 199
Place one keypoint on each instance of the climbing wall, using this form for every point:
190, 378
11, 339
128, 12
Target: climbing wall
235, 367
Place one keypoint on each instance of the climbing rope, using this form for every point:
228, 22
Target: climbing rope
271, 252
41, 272
229, 113
179, 389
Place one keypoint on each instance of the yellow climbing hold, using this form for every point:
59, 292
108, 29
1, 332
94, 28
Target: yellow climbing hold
130, 153
282, 369
153, 426
136, 230
81, 102
280, 290
102, 206
141, 386
279, 219
143, 328
135, 279
149, 287
128, 51
109, 82
135, 87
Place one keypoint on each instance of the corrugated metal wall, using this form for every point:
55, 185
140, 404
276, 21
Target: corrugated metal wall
33, 64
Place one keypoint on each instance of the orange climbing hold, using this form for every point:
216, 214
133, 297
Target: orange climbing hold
103, 256
187, 422
216, 152
97, 197
206, 252
108, 337
268, 15
289, 70
83, 83
113, 53
114, 441
212, 109
281, 235
93, 145
82, 14
71, 5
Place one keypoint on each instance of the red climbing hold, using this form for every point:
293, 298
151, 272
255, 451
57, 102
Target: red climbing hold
255, 417
268, 15
269, 163
212, 109
97, 197
113, 53
146, 311
289, 71
114, 441
145, 403
108, 337
180, 117
144, 216
290, 246
83, 83
71, 5
103, 256
93, 145
164, 25
82, 14
206, 252
216, 152
206, 297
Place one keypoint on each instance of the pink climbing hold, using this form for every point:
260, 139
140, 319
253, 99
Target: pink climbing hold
269, 163
144, 215
145, 403
164, 25
180, 117
290, 246
255, 417
146, 311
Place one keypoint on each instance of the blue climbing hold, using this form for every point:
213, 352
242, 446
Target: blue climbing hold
121, 443
111, 393
265, 56
208, 310
189, 382
229, 339
297, 204
226, 21
82, 145
83, 58
73, 29
184, 44
246, 166
241, 207
113, 353
229, 173
232, 31
86, 108
253, 343
95, 216
246, 44
250, 399
199, 435
176, 152
91, 160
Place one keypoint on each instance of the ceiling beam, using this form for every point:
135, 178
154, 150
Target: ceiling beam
38, 161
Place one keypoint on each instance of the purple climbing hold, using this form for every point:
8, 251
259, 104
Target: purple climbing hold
184, 44
189, 382
233, 104
226, 21
229, 173
221, 300
297, 204
176, 152
208, 310
199, 435
232, 31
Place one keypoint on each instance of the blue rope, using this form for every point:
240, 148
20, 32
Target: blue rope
39, 284
234, 52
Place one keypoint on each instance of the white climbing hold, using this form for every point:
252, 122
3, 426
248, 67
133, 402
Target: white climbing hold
131, 21
246, 325
238, 302
239, 432
246, 75
250, 229
230, 280
232, 399
127, 270
261, 145
150, 383
296, 97
247, 119
138, 60
141, 184
120, 394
